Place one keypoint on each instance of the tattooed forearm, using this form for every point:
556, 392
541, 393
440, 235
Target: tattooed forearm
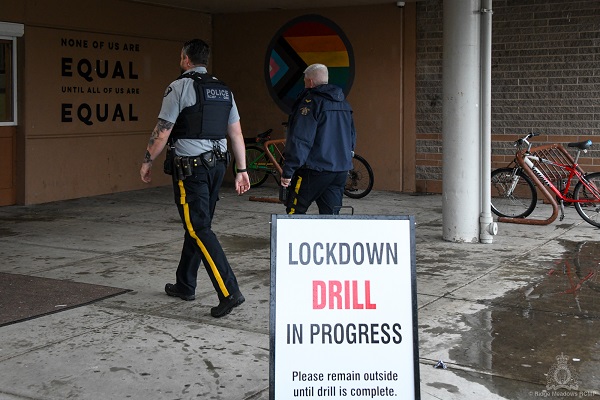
153, 136
147, 157
161, 125
160, 128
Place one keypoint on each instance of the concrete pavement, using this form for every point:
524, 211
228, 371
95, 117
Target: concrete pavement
497, 315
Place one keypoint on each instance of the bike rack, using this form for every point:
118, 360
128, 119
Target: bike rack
278, 145
553, 152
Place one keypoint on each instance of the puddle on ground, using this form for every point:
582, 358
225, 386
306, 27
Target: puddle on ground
520, 335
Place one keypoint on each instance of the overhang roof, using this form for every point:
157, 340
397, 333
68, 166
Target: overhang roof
237, 6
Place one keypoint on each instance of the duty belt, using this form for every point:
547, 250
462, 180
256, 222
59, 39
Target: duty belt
184, 166
206, 159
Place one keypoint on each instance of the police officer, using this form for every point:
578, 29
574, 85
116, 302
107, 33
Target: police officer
198, 112
319, 145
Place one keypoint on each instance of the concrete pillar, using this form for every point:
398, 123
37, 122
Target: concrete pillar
461, 121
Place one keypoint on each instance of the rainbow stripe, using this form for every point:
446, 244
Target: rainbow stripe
302, 42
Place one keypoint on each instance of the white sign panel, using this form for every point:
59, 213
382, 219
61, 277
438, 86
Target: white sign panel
343, 308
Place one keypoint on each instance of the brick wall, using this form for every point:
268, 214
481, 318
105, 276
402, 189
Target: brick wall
545, 78
429, 96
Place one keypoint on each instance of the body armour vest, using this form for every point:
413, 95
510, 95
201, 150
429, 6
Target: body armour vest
209, 117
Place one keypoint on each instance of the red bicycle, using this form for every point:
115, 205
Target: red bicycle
515, 188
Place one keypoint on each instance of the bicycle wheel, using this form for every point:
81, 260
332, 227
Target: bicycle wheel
257, 165
360, 178
510, 199
589, 211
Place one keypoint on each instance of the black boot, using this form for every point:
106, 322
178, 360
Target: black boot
227, 304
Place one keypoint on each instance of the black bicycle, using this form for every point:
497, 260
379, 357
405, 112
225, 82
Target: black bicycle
360, 178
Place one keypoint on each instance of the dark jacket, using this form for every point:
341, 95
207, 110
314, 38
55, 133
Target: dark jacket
321, 134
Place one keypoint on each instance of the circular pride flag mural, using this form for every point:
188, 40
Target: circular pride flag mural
301, 42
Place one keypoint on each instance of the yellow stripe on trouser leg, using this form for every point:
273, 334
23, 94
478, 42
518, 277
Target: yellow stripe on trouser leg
190, 229
296, 190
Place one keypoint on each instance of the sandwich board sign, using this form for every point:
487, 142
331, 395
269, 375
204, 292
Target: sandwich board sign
343, 311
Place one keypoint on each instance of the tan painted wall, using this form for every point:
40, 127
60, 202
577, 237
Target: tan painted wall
90, 126
77, 56
375, 32
62, 155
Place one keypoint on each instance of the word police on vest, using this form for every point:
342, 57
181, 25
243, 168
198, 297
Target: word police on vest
216, 94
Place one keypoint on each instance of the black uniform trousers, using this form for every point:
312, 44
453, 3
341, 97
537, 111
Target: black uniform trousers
196, 198
323, 187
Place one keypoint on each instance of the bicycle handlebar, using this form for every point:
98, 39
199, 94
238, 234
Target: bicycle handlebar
520, 142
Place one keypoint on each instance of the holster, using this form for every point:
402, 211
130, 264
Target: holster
181, 168
208, 159
168, 164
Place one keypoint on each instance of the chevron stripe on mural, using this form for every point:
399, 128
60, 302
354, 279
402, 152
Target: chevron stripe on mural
307, 40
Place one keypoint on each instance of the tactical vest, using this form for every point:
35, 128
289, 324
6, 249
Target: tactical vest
209, 117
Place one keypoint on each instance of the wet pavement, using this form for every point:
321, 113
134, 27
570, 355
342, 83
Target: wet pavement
515, 319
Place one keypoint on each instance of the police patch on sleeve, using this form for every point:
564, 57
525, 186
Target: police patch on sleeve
169, 90
304, 110
217, 94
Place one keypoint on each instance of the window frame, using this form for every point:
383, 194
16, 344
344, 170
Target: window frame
10, 31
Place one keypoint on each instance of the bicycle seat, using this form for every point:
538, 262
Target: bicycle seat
586, 144
265, 134
261, 137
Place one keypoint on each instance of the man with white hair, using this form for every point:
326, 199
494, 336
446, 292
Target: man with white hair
319, 145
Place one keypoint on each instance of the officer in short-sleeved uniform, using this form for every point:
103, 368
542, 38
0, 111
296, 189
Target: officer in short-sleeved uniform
318, 149
196, 196
197, 113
